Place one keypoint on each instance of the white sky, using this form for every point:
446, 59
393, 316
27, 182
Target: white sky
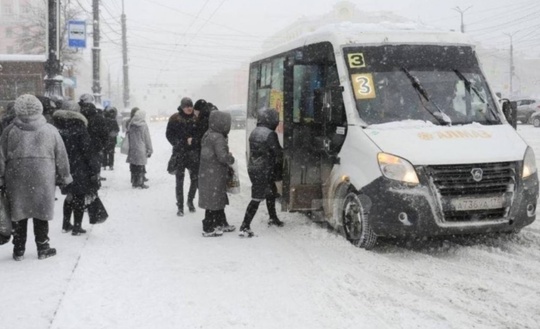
186, 42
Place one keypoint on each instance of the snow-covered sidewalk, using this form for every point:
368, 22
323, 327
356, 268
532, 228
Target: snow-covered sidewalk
147, 268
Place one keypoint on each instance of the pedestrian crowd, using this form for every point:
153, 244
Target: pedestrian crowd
46, 144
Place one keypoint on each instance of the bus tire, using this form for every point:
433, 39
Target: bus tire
355, 222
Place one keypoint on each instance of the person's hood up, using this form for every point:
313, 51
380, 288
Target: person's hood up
139, 118
71, 106
268, 118
111, 112
27, 105
86, 99
220, 122
62, 116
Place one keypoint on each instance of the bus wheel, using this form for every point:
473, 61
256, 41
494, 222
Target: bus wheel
355, 223
536, 122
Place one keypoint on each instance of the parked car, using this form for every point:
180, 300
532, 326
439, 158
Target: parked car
526, 108
535, 119
238, 116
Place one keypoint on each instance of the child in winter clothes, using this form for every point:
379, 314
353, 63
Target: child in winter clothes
213, 170
140, 148
33, 159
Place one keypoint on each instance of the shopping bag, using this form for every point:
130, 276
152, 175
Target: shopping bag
119, 140
5, 219
172, 165
124, 147
97, 212
233, 181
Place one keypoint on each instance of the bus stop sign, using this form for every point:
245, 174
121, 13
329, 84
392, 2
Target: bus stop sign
77, 34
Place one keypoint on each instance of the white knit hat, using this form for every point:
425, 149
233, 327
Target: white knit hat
28, 105
86, 98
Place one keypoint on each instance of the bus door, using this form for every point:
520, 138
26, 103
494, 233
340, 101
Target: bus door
308, 133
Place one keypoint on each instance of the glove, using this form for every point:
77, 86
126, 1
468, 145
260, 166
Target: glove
64, 189
148, 155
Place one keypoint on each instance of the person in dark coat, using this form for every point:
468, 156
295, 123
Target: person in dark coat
264, 169
113, 129
97, 129
140, 148
33, 160
213, 172
181, 132
72, 126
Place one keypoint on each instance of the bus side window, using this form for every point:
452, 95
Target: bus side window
307, 79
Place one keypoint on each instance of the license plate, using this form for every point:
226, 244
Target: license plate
463, 204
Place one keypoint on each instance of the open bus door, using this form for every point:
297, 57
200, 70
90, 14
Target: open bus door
314, 130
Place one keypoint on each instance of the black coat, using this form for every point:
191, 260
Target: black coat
179, 128
97, 127
265, 155
84, 164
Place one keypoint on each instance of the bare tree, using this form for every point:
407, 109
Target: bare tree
31, 36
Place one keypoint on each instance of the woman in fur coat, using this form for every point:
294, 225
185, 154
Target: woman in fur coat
33, 160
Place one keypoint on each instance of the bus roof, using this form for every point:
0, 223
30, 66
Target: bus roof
22, 58
372, 34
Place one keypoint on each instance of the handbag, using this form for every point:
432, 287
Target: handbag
5, 219
124, 147
97, 212
172, 165
233, 180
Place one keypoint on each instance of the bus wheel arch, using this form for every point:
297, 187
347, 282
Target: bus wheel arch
354, 218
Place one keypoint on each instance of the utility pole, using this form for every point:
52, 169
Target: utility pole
125, 58
53, 68
461, 12
511, 35
96, 53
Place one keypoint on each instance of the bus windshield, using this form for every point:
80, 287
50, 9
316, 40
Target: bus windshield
440, 84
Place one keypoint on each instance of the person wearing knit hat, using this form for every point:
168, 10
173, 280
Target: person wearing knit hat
181, 133
33, 160
86, 99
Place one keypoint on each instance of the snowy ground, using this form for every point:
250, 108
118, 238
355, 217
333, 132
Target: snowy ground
147, 268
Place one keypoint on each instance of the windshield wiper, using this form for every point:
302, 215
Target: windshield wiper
469, 86
441, 117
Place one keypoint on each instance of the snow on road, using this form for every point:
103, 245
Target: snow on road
147, 268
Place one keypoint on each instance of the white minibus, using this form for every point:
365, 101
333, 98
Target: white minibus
391, 132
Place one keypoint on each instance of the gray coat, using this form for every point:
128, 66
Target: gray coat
140, 144
33, 159
215, 161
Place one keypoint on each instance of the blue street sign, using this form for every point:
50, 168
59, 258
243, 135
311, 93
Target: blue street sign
106, 103
77, 34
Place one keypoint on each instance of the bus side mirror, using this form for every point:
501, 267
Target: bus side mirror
510, 111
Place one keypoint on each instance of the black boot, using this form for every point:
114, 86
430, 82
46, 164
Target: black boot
190, 205
275, 221
77, 228
140, 181
45, 250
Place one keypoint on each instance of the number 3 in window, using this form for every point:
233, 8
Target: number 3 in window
356, 60
364, 85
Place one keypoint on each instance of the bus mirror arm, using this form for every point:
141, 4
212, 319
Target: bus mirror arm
510, 111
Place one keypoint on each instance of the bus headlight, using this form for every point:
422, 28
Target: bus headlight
396, 168
529, 163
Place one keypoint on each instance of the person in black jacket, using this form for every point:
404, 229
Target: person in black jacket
84, 166
182, 134
264, 169
113, 129
97, 129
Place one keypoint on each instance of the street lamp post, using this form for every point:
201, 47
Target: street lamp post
53, 68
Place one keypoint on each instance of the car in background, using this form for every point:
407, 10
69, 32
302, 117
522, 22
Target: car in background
526, 108
238, 116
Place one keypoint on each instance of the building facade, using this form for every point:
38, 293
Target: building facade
11, 13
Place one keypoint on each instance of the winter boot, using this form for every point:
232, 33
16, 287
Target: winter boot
44, 250
77, 228
180, 212
140, 182
190, 205
275, 221
246, 233
46, 253
18, 255
228, 228
66, 226
214, 233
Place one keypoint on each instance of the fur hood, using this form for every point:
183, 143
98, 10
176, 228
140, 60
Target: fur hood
69, 115
220, 122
